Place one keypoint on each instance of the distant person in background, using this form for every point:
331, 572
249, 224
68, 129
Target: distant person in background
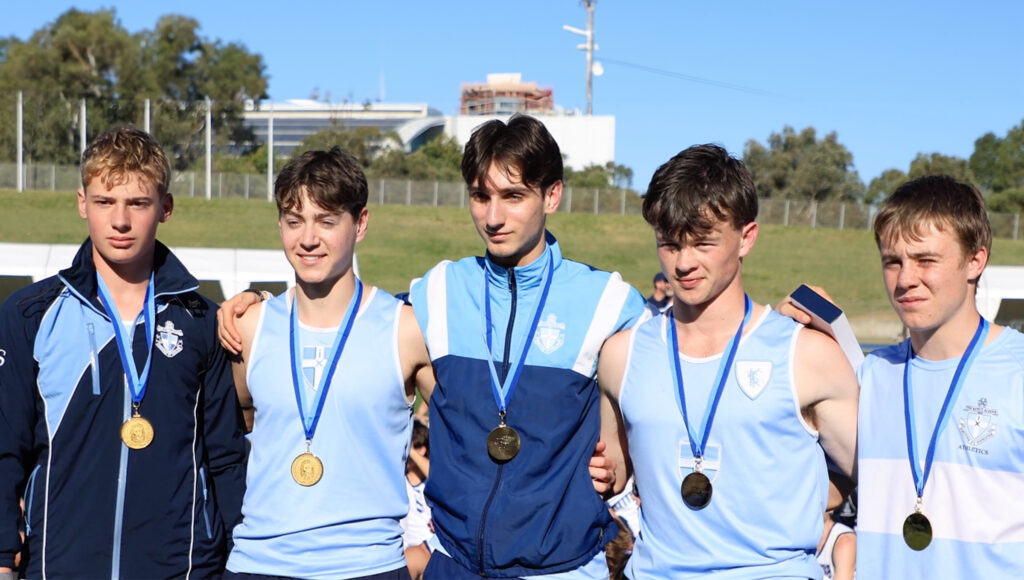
837, 551
661, 300
417, 529
941, 448
118, 419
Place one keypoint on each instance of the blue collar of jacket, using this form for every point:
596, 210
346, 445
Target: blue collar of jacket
529, 276
169, 275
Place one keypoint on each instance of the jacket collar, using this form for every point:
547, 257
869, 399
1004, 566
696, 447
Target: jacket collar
532, 274
169, 275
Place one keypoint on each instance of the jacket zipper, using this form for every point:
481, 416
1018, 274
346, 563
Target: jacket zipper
504, 374
94, 360
206, 509
31, 487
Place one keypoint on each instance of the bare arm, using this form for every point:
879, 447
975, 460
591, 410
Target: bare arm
230, 310
416, 367
611, 366
246, 329
844, 557
828, 392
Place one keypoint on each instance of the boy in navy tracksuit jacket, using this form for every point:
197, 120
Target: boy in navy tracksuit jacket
119, 425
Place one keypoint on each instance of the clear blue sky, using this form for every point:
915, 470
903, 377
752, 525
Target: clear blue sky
893, 78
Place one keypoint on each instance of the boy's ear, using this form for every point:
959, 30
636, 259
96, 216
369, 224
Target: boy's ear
81, 203
168, 207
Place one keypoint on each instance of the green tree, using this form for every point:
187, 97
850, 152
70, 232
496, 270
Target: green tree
800, 166
90, 55
998, 163
883, 185
939, 164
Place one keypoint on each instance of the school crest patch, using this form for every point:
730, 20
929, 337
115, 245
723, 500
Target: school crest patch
550, 335
753, 376
978, 423
169, 340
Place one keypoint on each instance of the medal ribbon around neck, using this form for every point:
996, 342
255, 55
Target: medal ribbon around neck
137, 382
951, 395
723, 375
310, 420
503, 391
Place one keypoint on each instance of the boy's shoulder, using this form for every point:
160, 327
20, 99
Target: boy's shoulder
31, 301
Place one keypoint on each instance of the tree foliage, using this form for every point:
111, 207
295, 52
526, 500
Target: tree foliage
800, 166
598, 176
91, 56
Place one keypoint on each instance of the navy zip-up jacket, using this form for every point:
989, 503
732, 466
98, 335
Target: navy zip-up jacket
538, 513
93, 507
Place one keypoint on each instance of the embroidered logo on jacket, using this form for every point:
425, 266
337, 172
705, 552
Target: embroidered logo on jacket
549, 336
977, 425
169, 339
753, 376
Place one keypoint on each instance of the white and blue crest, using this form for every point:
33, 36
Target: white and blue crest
550, 335
978, 423
169, 340
753, 376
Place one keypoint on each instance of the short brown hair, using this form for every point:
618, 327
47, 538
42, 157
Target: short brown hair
698, 186
523, 146
124, 152
331, 179
940, 201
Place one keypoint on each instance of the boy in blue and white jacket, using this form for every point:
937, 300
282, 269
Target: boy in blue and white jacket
102, 497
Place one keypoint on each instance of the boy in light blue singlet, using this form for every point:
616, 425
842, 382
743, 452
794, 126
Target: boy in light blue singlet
327, 372
934, 239
724, 402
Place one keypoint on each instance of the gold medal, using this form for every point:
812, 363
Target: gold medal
307, 469
137, 433
917, 531
503, 443
696, 490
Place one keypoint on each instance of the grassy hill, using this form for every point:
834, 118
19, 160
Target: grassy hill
404, 241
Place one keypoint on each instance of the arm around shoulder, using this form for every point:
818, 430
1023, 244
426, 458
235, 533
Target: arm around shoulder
827, 387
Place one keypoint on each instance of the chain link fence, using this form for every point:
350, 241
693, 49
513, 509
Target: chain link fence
786, 212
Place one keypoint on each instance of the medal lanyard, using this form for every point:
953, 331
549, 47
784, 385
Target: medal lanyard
310, 420
723, 375
951, 395
136, 381
503, 391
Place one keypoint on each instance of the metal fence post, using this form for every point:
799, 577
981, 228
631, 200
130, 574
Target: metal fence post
53, 177
1016, 224
785, 213
595, 201
568, 205
622, 204
814, 214
381, 192
435, 193
842, 215
408, 192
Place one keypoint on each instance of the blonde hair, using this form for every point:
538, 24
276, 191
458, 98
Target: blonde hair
121, 153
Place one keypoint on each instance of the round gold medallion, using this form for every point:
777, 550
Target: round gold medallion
503, 443
137, 433
307, 469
